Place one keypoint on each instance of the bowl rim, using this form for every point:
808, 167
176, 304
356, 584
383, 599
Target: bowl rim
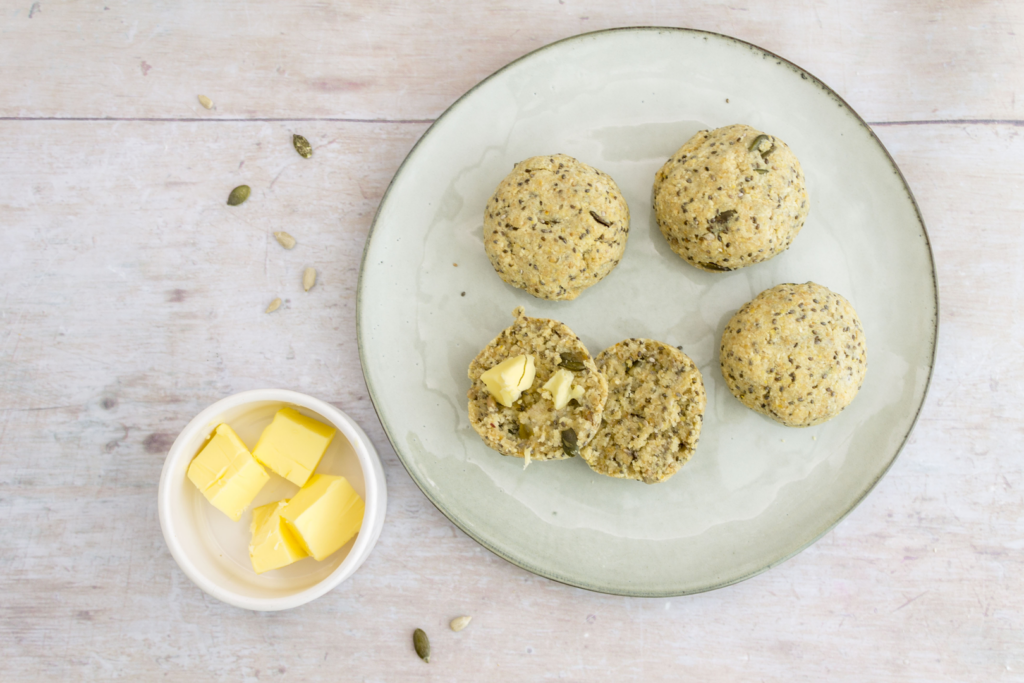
373, 517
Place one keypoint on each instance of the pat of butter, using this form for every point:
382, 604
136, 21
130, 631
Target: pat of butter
507, 380
226, 473
292, 445
324, 515
272, 546
560, 389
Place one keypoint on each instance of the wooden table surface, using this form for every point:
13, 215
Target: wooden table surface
130, 299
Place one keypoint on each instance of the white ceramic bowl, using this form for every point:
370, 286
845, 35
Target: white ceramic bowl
213, 551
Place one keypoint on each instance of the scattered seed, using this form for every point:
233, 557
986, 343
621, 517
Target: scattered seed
206, 101
422, 644
274, 305
757, 141
284, 239
308, 278
302, 146
569, 444
600, 219
723, 217
459, 623
755, 146
572, 361
238, 195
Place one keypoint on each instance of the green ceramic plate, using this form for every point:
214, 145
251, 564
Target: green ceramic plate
755, 492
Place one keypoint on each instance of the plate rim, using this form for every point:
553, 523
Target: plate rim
625, 591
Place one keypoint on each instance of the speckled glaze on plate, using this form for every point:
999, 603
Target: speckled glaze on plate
755, 492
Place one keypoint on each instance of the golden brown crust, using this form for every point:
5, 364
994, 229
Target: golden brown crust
555, 226
730, 197
796, 353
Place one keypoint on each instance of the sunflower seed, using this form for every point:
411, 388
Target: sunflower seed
206, 101
308, 278
284, 239
459, 623
302, 146
422, 644
274, 305
238, 195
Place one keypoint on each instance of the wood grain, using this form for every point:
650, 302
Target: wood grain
409, 60
132, 297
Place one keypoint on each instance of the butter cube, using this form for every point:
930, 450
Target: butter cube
325, 514
292, 445
507, 380
560, 389
272, 546
226, 473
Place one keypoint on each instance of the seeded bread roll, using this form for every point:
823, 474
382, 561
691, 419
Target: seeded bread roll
654, 413
532, 427
555, 226
730, 197
796, 353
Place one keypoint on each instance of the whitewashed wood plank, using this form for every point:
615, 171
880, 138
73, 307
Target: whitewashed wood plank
403, 59
130, 299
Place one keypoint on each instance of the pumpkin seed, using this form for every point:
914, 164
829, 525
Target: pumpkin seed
308, 278
755, 146
238, 195
284, 239
302, 146
422, 644
569, 444
600, 219
572, 361
459, 623
724, 217
274, 305
206, 101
